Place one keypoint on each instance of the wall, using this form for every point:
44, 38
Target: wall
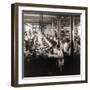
5, 45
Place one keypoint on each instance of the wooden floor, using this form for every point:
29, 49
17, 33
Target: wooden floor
44, 66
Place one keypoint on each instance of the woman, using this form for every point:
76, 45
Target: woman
67, 57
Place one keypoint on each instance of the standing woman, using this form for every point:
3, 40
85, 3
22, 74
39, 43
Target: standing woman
67, 58
57, 51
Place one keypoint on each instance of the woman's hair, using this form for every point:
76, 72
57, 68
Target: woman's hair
54, 43
67, 40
